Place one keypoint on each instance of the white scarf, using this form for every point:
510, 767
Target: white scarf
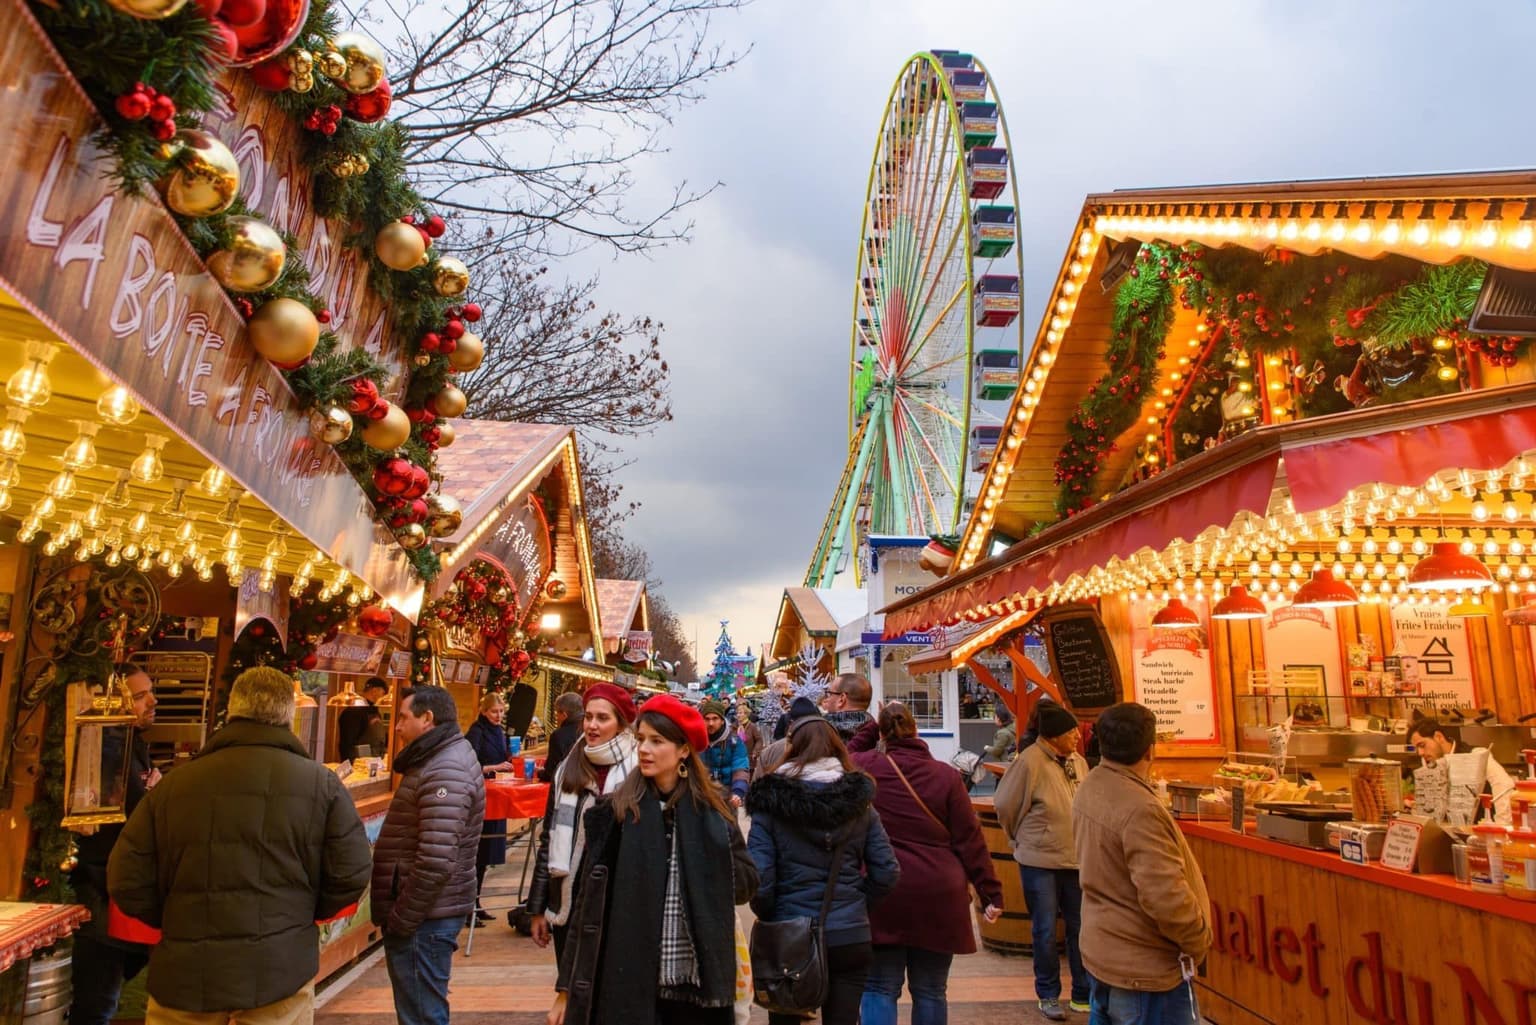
822, 770
567, 832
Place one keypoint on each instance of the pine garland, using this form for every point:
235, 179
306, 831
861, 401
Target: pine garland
1442, 298
110, 52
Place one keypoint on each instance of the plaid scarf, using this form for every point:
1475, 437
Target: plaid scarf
679, 968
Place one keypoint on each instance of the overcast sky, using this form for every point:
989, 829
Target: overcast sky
1099, 95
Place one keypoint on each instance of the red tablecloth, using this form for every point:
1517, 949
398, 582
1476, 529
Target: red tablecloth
515, 800
26, 928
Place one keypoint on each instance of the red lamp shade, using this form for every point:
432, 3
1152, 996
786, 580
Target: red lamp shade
1325, 591
1239, 604
1446, 569
1175, 616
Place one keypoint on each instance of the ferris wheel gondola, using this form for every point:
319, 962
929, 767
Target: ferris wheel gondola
937, 339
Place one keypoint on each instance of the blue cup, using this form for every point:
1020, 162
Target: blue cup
530, 767
516, 745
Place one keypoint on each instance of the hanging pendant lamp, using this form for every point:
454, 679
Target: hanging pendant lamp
1175, 616
1238, 603
1445, 568
1325, 591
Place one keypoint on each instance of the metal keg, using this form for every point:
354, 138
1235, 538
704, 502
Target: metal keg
48, 990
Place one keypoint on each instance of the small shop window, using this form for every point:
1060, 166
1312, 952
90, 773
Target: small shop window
923, 695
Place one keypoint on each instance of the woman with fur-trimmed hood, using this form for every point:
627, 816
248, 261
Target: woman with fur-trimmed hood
801, 812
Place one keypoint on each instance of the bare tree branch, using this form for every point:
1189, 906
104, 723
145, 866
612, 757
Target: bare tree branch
527, 116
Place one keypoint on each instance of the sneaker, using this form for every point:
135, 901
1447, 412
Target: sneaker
1079, 1006
482, 915
1052, 1010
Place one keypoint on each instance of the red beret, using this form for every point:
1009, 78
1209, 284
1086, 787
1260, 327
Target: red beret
685, 716
616, 696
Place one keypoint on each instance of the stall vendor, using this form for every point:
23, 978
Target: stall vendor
1435, 741
362, 726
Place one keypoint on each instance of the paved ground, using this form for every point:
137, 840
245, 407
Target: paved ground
508, 981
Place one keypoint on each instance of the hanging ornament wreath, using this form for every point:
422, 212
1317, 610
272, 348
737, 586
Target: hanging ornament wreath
483, 601
153, 68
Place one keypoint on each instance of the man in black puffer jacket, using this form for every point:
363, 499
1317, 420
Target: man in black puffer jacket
235, 856
424, 861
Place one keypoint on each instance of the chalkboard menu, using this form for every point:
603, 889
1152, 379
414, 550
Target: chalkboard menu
1081, 660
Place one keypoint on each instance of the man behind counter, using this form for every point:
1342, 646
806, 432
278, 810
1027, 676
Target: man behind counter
102, 964
362, 726
1434, 741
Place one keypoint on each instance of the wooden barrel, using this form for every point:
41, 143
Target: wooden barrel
1010, 933
48, 990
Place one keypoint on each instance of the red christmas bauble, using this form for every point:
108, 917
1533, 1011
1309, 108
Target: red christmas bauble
393, 476
364, 395
426, 239
436, 226
225, 45
370, 107
418, 415
210, 8
133, 106
472, 312
418, 510
454, 329
421, 480
374, 621
378, 411
272, 33
431, 341
309, 661
243, 13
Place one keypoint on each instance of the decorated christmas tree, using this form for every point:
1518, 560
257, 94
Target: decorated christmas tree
729, 669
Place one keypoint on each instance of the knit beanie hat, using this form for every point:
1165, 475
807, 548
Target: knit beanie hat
685, 716
709, 706
1055, 720
616, 696
800, 708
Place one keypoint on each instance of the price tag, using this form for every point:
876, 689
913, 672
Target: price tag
1239, 796
1352, 851
1401, 849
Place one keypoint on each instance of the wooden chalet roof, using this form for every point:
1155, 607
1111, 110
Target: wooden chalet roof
621, 604
1488, 215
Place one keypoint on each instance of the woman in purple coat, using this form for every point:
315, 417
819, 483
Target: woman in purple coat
926, 920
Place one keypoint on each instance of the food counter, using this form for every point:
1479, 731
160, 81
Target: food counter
1304, 937
344, 939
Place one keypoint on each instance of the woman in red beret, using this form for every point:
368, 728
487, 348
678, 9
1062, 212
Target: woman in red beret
654, 899
592, 769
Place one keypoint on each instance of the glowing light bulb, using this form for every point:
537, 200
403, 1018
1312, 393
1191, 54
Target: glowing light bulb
148, 468
13, 440
80, 454
214, 482
117, 406
1479, 511
1510, 512
1391, 233
29, 386
62, 486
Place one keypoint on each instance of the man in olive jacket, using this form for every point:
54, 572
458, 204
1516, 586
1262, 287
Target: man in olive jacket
235, 856
424, 862
1146, 914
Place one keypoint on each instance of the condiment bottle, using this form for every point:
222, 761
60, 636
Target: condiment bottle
1485, 858
1522, 805
1520, 865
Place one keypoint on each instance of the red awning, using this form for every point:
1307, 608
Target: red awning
1319, 474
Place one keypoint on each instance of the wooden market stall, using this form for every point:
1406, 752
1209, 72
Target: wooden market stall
1271, 473
804, 624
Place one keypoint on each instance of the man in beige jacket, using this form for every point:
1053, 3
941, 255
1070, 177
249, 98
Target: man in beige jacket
1034, 806
1146, 917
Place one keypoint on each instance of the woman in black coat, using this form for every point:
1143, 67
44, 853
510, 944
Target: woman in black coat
654, 923
801, 811
489, 740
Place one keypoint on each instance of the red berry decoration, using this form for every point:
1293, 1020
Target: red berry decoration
436, 226
163, 131
472, 312
408, 219
371, 107
133, 106
312, 121
365, 395
324, 316
162, 108
246, 307
274, 75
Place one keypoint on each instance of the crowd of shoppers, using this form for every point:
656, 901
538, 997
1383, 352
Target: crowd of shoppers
641, 861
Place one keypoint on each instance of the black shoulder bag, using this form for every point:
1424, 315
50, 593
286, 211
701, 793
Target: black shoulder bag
789, 958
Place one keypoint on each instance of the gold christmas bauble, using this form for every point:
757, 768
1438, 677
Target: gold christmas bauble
362, 66
389, 433
148, 10
204, 177
411, 536
468, 353
556, 589
254, 258
421, 643
445, 434
399, 246
331, 64
443, 516
421, 359
332, 426
449, 402
301, 62
284, 331
450, 277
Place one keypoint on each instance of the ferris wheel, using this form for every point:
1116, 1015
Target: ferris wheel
937, 341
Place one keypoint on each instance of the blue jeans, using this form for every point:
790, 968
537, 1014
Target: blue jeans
418, 970
1049, 892
926, 973
1111, 1006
